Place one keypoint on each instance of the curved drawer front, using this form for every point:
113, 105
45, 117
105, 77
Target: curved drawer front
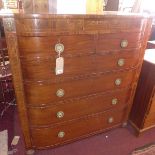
76, 108
44, 68
47, 92
79, 24
73, 44
78, 44
118, 41
43, 137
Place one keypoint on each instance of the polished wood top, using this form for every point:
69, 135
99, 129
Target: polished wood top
105, 14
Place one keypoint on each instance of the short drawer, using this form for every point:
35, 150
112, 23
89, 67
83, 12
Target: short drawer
45, 92
74, 130
73, 44
73, 109
114, 25
46, 25
118, 41
43, 68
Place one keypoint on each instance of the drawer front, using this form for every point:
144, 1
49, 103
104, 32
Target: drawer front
118, 41
73, 44
113, 25
41, 93
74, 109
44, 137
48, 25
77, 44
44, 68
77, 25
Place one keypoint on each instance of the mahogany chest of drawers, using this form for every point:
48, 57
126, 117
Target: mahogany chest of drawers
102, 60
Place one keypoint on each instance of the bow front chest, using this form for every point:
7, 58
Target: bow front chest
74, 75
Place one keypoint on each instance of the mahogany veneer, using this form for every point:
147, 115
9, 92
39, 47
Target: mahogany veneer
102, 59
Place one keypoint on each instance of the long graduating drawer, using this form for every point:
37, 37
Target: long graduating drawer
44, 137
74, 109
42, 93
43, 68
77, 44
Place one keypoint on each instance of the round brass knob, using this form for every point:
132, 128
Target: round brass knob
121, 62
59, 48
60, 114
110, 120
118, 82
61, 134
114, 101
124, 43
60, 93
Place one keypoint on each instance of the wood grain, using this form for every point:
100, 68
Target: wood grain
12, 46
43, 93
76, 129
75, 108
92, 50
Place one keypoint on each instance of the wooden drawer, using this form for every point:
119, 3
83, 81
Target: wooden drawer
44, 25
79, 24
41, 93
73, 109
44, 137
73, 44
116, 25
76, 44
115, 41
44, 68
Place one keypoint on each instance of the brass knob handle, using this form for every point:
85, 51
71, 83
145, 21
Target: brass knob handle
124, 43
60, 93
114, 101
61, 134
110, 120
60, 114
59, 48
118, 82
121, 62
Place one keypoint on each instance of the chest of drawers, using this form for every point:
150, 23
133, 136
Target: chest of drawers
102, 59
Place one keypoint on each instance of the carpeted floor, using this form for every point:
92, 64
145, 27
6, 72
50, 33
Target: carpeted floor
7, 123
119, 141
145, 150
